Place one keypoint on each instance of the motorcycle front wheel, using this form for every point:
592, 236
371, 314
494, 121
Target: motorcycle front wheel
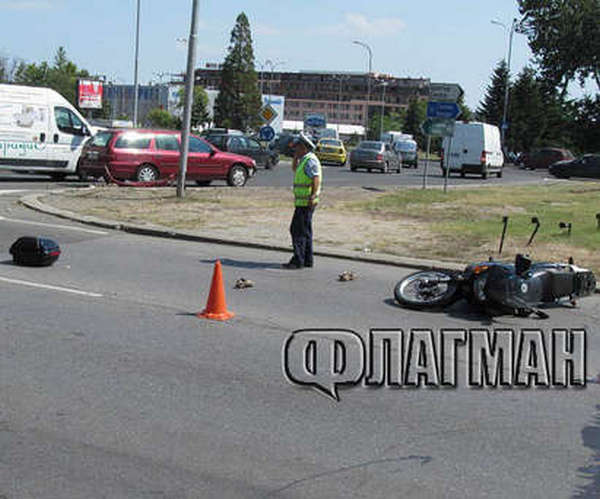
427, 289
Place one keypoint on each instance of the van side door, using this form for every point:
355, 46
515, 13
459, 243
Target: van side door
66, 140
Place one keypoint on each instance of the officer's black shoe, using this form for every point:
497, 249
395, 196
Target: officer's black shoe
291, 266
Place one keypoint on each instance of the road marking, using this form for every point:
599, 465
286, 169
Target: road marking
12, 191
56, 226
48, 286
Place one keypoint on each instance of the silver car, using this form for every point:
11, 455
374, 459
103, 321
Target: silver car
375, 155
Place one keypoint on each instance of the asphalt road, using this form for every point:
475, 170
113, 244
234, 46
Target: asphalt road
280, 176
110, 386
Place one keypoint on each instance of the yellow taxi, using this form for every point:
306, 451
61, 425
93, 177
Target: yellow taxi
331, 151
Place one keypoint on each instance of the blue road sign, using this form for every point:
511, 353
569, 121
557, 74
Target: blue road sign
266, 133
448, 110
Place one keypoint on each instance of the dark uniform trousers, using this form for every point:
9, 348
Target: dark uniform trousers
301, 231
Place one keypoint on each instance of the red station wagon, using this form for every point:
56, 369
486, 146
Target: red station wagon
148, 155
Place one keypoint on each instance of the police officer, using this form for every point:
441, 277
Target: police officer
307, 186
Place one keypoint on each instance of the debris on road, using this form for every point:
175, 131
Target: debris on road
243, 283
347, 275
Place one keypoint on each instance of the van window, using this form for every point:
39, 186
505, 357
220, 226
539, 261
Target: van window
167, 142
101, 139
67, 121
133, 141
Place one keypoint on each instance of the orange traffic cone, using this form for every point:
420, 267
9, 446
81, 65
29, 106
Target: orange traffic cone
216, 308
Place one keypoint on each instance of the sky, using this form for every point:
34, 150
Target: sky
449, 41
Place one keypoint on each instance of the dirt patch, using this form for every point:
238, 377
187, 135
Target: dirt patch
254, 214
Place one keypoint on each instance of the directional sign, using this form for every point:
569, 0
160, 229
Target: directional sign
267, 113
440, 127
266, 133
443, 110
446, 92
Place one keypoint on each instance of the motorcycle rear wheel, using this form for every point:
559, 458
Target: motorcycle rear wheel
427, 289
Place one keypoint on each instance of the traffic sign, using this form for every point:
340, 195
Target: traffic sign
266, 133
443, 110
267, 113
446, 92
440, 127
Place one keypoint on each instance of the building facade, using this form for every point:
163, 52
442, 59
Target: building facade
342, 97
121, 99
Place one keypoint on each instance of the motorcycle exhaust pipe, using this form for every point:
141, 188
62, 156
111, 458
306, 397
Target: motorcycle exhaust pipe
536, 221
505, 222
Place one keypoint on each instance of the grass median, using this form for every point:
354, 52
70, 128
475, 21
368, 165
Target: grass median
464, 224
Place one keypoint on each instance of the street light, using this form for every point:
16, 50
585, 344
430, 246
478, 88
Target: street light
135, 71
513, 28
341, 78
362, 44
383, 84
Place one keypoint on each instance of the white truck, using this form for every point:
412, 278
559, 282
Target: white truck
474, 148
40, 131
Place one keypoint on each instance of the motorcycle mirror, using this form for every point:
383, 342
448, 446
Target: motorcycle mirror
536, 221
505, 223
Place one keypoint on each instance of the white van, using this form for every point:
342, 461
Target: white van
474, 148
40, 131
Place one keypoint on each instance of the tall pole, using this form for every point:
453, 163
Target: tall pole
362, 44
504, 124
384, 84
189, 96
136, 64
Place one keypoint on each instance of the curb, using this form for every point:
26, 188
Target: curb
32, 201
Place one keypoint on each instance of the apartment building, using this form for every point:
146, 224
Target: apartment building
342, 97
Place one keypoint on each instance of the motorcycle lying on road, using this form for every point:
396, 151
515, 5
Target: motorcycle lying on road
499, 288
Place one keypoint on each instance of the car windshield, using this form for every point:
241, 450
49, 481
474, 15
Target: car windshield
101, 139
370, 144
330, 142
406, 146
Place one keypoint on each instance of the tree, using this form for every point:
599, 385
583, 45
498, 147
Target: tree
160, 118
491, 109
465, 112
585, 128
200, 116
61, 76
415, 116
239, 101
392, 121
564, 37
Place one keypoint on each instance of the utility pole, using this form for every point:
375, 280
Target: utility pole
189, 96
136, 64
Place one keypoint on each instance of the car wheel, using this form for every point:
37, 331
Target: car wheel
237, 176
369, 170
83, 176
147, 173
499, 174
462, 174
203, 182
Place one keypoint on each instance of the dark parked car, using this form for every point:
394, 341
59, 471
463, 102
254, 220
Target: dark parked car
281, 144
247, 146
147, 155
375, 155
585, 166
544, 157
